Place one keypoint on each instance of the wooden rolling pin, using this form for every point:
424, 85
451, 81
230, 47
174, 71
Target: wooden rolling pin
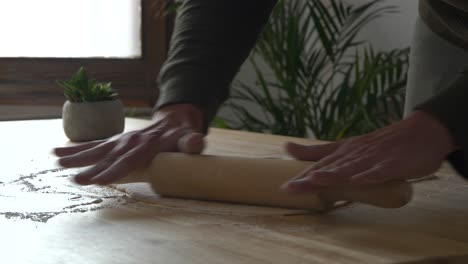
255, 182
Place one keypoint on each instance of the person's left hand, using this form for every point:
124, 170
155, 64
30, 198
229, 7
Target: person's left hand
409, 149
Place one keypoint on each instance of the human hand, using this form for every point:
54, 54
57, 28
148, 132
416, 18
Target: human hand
409, 149
174, 128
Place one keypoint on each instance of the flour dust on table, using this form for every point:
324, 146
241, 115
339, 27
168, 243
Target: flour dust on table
42, 195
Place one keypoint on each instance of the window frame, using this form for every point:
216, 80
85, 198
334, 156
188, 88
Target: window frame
31, 81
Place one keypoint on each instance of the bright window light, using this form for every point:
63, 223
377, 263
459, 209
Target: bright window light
70, 28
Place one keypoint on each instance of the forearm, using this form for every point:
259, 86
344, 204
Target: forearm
211, 40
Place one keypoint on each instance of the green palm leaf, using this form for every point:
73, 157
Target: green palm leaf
321, 79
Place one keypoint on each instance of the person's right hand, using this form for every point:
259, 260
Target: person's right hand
174, 128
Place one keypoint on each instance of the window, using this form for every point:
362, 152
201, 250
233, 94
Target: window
122, 41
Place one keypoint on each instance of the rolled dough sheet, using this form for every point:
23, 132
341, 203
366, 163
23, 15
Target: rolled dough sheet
144, 193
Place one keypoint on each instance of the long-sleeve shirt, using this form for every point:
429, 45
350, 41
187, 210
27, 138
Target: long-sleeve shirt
449, 19
212, 38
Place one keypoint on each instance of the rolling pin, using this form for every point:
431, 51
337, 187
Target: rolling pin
254, 181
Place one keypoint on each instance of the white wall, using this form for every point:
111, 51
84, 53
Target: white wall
393, 30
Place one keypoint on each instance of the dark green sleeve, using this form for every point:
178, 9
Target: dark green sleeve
450, 107
211, 39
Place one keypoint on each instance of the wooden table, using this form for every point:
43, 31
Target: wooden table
44, 218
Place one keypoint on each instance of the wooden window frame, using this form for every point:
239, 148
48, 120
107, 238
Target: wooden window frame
31, 81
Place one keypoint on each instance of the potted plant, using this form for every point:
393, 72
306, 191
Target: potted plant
92, 110
315, 77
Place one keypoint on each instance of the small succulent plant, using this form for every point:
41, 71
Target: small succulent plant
80, 89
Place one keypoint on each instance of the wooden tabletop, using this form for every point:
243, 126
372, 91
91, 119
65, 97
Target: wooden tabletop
45, 218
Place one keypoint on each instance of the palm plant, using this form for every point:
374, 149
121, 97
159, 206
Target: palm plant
320, 79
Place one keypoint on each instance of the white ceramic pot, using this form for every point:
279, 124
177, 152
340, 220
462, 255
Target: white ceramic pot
93, 121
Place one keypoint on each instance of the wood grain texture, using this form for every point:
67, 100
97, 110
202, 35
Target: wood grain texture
442, 260
46, 219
